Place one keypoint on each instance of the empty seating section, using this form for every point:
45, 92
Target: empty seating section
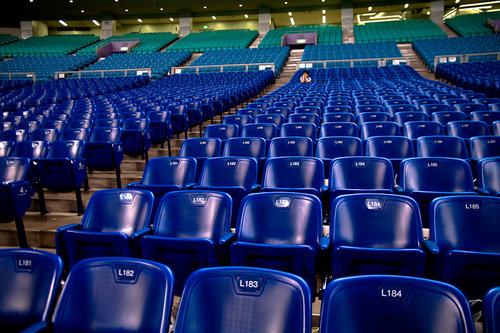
472, 24
277, 55
215, 40
481, 77
428, 49
350, 51
44, 66
6, 39
400, 31
327, 34
47, 45
149, 42
159, 62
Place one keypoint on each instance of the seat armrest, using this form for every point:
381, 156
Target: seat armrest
227, 238
324, 243
398, 190
255, 188
431, 247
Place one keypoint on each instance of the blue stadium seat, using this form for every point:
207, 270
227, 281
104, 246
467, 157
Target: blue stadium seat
468, 108
291, 146
416, 129
205, 308
104, 152
81, 134
338, 129
378, 128
249, 111
304, 118
338, 108
444, 117
488, 171
15, 135
376, 234
179, 118
160, 128
394, 304
394, 148
367, 108
338, 117
373, 116
30, 280
81, 123
112, 223
136, 137
283, 110
442, 146
359, 174
57, 124
29, 125
265, 131
107, 123
111, 294
191, 230
426, 178
496, 127
491, 310
484, 146
393, 109
295, 174
245, 147
221, 131
429, 109
6, 148
465, 232
467, 129
328, 148
201, 149
166, 174
282, 231
405, 116
64, 169
308, 130
487, 116
236, 176
15, 193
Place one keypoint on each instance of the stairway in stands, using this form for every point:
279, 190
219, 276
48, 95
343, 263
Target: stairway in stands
415, 61
289, 69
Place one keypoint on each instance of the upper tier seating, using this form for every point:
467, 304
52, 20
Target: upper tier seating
277, 55
350, 51
6, 39
215, 40
47, 45
327, 34
399, 31
159, 62
150, 42
473, 24
428, 49
44, 66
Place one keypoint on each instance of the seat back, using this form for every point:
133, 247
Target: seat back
75, 134
416, 129
467, 128
435, 174
15, 135
265, 131
111, 134
200, 147
276, 119
229, 171
442, 146
491, 310
391, 147
81, 123
6, 148
66, 149
373, 116
280, 218
45, 134
338, 146
308, 130
403, 117
444, 117
214, 297
488, 175
338, 117
221, 131
118, 210
290, 146
13, 169
394, 304
484, 146
31, 149
135, 124
116, 294
283, 110
107, 123
304, 118
30, 280
487, 116
193, 214
338, 129
385, 221
378, 128
361, 173
293, 172
248, 147
240, 120
169, 171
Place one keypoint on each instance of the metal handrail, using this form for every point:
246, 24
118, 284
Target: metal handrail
464, 57
380, 61
178, 70
62, 74
32, 75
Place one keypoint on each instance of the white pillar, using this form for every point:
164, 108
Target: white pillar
26, 29
185, 23
264, 20
437, 11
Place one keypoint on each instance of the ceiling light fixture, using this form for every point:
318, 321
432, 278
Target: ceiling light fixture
323, 19
70, 1
246, 15
63, 23
323, 11
82, 11
214, 18
96, 23
457, 1
322, 0
289, 13
126, 9
172, 19
370, 8
240, 5
292, 21
407, 5
204, 6
286, 2
161, 8
139, 20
